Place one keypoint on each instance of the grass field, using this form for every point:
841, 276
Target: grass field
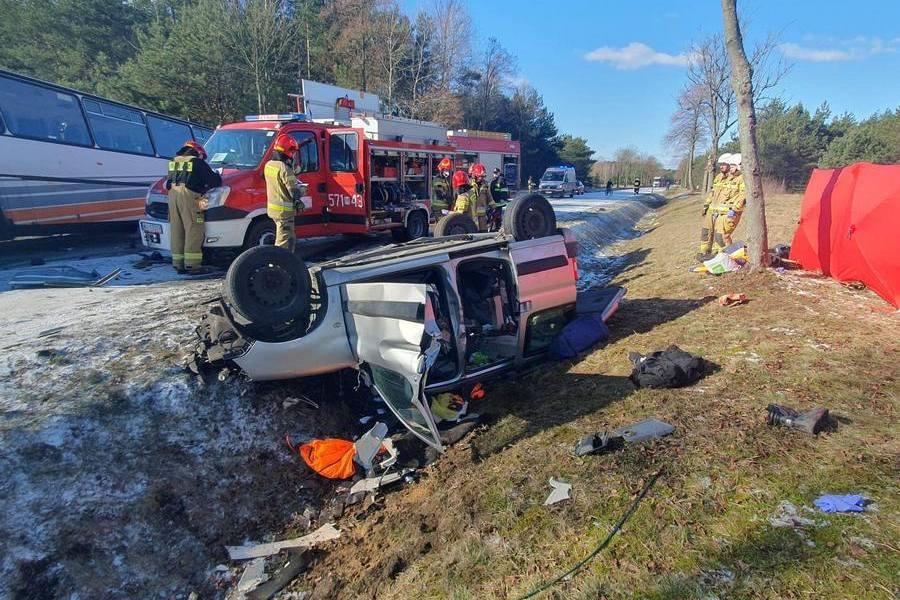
475, 525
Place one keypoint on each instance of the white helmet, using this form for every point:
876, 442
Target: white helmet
724, 159
735, 159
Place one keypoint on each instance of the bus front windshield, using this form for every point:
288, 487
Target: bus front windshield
553, 176
238, 148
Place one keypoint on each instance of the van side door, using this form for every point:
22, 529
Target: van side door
310, 170
346, 209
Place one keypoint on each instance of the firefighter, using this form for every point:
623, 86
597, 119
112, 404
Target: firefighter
713, 206
735, 199
188, 179
530, 184
441, 190
499, 191
280, 184
465, 201
481, 194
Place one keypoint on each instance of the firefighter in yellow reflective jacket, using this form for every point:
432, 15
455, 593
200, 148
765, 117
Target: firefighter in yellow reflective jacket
188, 179
481, 194
713, 207
735, 200
280, 184
465, 200
441, 190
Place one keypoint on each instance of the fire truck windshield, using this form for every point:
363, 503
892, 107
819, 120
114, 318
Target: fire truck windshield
238, 148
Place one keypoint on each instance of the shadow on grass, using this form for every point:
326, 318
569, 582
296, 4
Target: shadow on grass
641, 315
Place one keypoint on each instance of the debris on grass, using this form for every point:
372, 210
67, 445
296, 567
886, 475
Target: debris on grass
787, 515
729, 300
324, 533
669, 368
811, 421
561, 491
254, 574
648, 429
831, 503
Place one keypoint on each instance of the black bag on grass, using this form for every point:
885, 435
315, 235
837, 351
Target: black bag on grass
669, 368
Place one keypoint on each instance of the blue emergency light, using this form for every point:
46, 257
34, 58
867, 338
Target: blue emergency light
293, 116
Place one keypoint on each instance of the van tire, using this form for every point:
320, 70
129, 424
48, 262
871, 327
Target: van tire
416, 227
261, 233
529, 217
268, 286
454, 224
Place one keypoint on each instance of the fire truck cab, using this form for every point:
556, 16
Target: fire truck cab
366, 174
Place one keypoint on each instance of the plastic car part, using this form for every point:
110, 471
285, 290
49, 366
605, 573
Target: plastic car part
641, 431
454, 224
529, 217
268, 286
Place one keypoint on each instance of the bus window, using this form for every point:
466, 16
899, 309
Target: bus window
118, 128
168, 136
201, 134
309, 151
342, 156
41, 113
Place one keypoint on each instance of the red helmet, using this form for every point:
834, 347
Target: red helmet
459, 179
477, 170
285, 144
445, 165
196, 147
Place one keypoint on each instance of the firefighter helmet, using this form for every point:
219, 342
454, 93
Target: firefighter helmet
285, 144
445, 165
459, 179
477, 170
196, 147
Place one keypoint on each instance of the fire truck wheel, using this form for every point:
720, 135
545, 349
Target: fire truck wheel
529, 217
268, 286
454, 224
416, 227
261, 233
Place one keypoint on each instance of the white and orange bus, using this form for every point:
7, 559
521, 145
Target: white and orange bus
69, 160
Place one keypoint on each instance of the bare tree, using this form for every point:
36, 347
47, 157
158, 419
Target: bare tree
686, 129
710, 71
453, 39
262, 34
393, 34
496, 68
421, 67
743, 85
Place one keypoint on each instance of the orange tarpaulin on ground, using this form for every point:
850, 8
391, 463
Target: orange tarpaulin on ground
850, 227
331, 458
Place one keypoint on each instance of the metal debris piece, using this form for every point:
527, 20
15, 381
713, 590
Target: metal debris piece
368, 445
373, 483
322, 534
254, 574
286, 574
642, 431
561, 491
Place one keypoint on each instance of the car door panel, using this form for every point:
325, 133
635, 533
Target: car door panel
544, 275
396, 340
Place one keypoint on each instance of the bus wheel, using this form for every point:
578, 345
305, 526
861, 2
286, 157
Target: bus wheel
416, 227
529, 217
261, 233
268, 286
454, 224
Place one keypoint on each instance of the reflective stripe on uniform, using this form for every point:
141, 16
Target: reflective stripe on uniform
280, 207
193, 256
177, 256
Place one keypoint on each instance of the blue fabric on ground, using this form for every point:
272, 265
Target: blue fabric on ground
831, 503
578, 336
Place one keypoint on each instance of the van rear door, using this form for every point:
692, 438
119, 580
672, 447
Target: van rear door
396, 340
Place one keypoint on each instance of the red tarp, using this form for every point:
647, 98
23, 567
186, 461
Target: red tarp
850, 227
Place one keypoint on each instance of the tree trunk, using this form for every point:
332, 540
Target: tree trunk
690, 165
742, 81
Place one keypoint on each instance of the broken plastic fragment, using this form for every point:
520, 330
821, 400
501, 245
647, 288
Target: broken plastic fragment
254, 574
647, 429
560, 492
322, 534
369, 444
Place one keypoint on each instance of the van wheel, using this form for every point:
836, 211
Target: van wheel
529, 217
268, 286
416, 227
454, 224
261, 233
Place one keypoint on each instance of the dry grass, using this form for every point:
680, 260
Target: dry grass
475, 526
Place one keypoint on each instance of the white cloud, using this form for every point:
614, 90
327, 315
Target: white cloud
635, 56
855, 48
517, 82
798, 52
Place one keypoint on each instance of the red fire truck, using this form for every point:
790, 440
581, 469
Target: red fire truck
374, 175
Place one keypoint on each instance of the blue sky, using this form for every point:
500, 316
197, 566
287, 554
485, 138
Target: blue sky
610, 70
